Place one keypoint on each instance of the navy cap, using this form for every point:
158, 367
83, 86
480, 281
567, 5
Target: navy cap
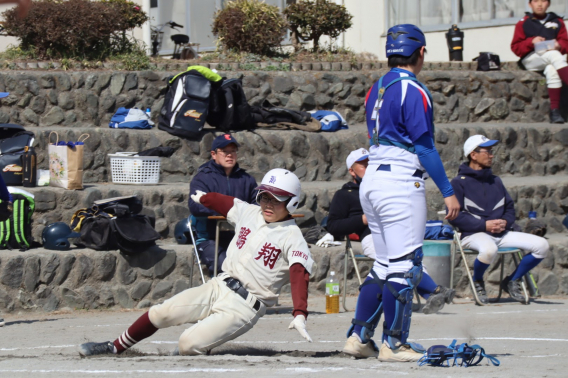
223, 141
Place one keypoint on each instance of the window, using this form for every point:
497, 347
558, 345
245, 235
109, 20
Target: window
434, 15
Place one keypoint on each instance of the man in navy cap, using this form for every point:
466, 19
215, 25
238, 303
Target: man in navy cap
223, 175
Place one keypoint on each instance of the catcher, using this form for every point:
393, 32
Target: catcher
268, 250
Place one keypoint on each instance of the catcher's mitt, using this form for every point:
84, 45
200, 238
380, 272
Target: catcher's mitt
535, 227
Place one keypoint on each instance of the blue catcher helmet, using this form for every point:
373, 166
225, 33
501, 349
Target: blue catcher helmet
181, 232
55, 236
404, 39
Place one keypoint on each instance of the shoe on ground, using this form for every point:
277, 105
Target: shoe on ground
2, 322
354, 347
448, 293
480, 290
513, 288
403, 353
555, 116
93, 349
434, 303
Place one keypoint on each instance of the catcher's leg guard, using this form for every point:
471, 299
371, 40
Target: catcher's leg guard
397, 334
368, 326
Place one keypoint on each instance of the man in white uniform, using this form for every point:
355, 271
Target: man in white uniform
267, 252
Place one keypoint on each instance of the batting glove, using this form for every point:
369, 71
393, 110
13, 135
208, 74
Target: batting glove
197, 196
299, 323
325, 241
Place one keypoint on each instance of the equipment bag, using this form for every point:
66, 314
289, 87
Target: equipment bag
133, 234
487, 61
13, 141
229, 109
16, 231
130, 119
186, 105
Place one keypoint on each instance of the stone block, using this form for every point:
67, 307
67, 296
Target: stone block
12, 272
161, 289
140, 290
166, 265
31, 273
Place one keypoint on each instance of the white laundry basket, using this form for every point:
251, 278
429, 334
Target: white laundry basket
137, 170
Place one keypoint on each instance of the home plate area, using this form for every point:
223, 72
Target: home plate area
528, 340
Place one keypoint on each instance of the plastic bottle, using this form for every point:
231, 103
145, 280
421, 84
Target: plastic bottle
149, 113
332, 294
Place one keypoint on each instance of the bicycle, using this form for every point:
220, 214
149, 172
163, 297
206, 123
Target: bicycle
157, 34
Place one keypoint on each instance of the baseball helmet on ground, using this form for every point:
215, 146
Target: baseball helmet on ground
55, 236
404, 39
181, 232
282, 185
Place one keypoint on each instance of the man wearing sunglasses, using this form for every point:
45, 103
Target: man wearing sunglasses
223, 175
486, 218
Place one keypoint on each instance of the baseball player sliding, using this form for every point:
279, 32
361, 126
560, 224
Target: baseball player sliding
393, 197
267, 252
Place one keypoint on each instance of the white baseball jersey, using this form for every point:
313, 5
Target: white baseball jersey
261, 253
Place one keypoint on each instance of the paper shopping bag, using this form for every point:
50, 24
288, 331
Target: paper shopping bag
66, 162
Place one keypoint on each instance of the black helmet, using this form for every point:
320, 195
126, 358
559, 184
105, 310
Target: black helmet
181, 232
55, 236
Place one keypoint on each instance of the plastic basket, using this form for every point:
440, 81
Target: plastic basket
137, 170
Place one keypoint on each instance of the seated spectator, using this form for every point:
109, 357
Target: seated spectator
222, 175
345, 212
538, 27
486, 218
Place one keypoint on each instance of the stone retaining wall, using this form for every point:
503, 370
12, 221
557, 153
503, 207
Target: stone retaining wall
90, 98
526, 149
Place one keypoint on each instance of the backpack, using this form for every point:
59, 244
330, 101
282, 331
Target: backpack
186, 105
229, 109
13, 141
487, 61
16, 231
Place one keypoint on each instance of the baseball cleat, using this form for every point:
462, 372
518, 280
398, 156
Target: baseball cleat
357, 349
403, 353
2, 322
513, 288
481, 293
93, 349
434, 303
448, 293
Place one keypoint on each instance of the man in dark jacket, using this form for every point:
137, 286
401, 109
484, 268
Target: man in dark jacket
220, 175
486, 218
345, 212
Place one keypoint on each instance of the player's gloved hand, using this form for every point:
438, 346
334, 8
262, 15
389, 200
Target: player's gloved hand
197, 196
324, 242
299, 323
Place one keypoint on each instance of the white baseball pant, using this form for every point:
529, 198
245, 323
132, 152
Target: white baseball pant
549, 62
395, 205
220, 313
488, 245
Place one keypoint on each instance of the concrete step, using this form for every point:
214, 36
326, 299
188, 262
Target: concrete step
167, 202
526, 149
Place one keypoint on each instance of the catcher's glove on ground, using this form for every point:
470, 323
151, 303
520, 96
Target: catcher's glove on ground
299, 323
197, 196
327, 241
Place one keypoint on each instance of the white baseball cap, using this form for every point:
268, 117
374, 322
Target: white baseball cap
477, 141
355, 156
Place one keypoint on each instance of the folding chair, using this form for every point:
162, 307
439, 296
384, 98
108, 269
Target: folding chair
349, 253
501, 252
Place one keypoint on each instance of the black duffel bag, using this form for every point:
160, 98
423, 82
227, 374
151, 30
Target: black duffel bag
131, 234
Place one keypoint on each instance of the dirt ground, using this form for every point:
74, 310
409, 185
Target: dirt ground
530, 341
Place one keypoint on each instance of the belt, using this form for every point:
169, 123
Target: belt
237, 287
408, 256
387, 168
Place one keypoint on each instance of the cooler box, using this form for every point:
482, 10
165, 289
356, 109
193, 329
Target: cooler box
437, 260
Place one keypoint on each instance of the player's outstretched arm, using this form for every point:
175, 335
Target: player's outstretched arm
299, 279
214, 201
